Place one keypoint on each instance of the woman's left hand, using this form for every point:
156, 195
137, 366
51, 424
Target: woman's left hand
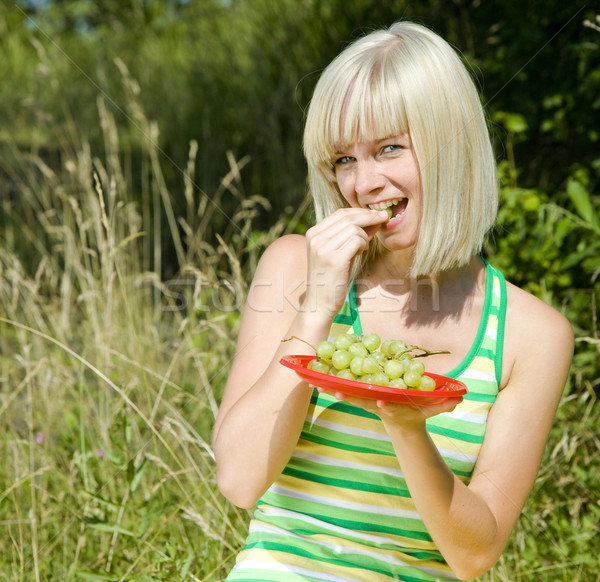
402, 413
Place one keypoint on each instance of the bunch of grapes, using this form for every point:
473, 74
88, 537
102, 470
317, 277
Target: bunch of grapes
367, 359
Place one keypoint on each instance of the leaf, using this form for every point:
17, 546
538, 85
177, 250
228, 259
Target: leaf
583, 203
515, 122
111, 528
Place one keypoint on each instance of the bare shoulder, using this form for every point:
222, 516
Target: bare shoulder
281, 269
536, 333
528, 315
285, 252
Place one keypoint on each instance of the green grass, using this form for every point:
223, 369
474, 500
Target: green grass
110, 379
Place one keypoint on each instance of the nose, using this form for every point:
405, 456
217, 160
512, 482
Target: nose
368, 178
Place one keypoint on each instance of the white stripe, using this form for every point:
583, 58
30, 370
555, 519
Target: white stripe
337, 548
491, 333
354, 431
468, 416
274, 567
335, 530
479, 375
332, 461
457, 455
364, 507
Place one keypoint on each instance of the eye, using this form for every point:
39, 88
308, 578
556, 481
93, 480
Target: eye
342, 161
391, 148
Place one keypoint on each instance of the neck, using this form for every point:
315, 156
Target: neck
391, 273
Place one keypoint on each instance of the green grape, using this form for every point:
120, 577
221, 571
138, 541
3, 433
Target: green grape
398, 383
341, 359
317, 365
397, 347
356, 365
346, 374
344, 341
371, 361
325, 350
393, 369
386, 347
427, 383
358, 349
371, 341
370, 365
417, 366
380, 379
412, 379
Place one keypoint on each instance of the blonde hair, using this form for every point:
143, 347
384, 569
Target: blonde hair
407, 79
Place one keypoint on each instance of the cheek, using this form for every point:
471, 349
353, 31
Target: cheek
346, 191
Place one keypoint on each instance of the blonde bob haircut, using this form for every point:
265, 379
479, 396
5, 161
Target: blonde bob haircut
406, 79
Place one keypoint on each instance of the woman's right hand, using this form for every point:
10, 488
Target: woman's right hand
332, 245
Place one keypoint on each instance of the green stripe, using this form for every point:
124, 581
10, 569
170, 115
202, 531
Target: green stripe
479, 397
343, 319
346, 483
266, 576
500, 333
454, 464
300, 528
331, 514
386, 447
487, 348
454, 434
366, 562
354, 309
331, 403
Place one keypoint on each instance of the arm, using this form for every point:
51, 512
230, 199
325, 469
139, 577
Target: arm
472, 524
298, 287
264, 403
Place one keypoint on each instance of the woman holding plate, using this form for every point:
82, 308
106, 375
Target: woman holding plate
359, 489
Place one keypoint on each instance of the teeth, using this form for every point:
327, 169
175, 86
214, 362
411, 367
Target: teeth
384, 205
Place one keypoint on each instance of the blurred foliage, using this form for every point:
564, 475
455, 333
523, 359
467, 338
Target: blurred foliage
237, 75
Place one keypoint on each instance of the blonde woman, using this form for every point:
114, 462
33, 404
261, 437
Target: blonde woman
351, 489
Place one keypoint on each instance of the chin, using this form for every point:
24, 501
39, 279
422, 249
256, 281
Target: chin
397, 242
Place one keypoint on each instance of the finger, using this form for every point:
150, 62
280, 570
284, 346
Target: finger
359, 216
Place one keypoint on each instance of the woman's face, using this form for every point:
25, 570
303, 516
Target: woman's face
379, 174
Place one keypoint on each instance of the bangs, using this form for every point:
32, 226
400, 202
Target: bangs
362, 103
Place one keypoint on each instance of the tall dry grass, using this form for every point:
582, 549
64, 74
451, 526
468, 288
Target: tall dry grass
110, 374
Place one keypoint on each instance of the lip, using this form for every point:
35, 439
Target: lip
383, 204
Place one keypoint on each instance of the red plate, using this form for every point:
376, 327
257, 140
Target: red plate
445, 387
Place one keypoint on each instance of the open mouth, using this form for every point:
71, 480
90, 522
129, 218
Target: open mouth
394, 207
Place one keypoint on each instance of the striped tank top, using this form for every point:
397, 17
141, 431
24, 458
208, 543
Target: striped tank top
341, 511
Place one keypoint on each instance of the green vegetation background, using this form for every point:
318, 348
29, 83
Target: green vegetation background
149, 151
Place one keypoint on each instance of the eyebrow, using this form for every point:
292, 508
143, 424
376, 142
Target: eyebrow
403, 136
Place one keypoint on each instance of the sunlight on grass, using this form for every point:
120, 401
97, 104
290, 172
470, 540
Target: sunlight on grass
114, 349
111, 375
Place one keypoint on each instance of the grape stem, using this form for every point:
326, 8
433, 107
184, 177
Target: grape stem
300, 340
426, 352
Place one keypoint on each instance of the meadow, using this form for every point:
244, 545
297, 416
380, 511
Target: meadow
111, 377
119, 309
